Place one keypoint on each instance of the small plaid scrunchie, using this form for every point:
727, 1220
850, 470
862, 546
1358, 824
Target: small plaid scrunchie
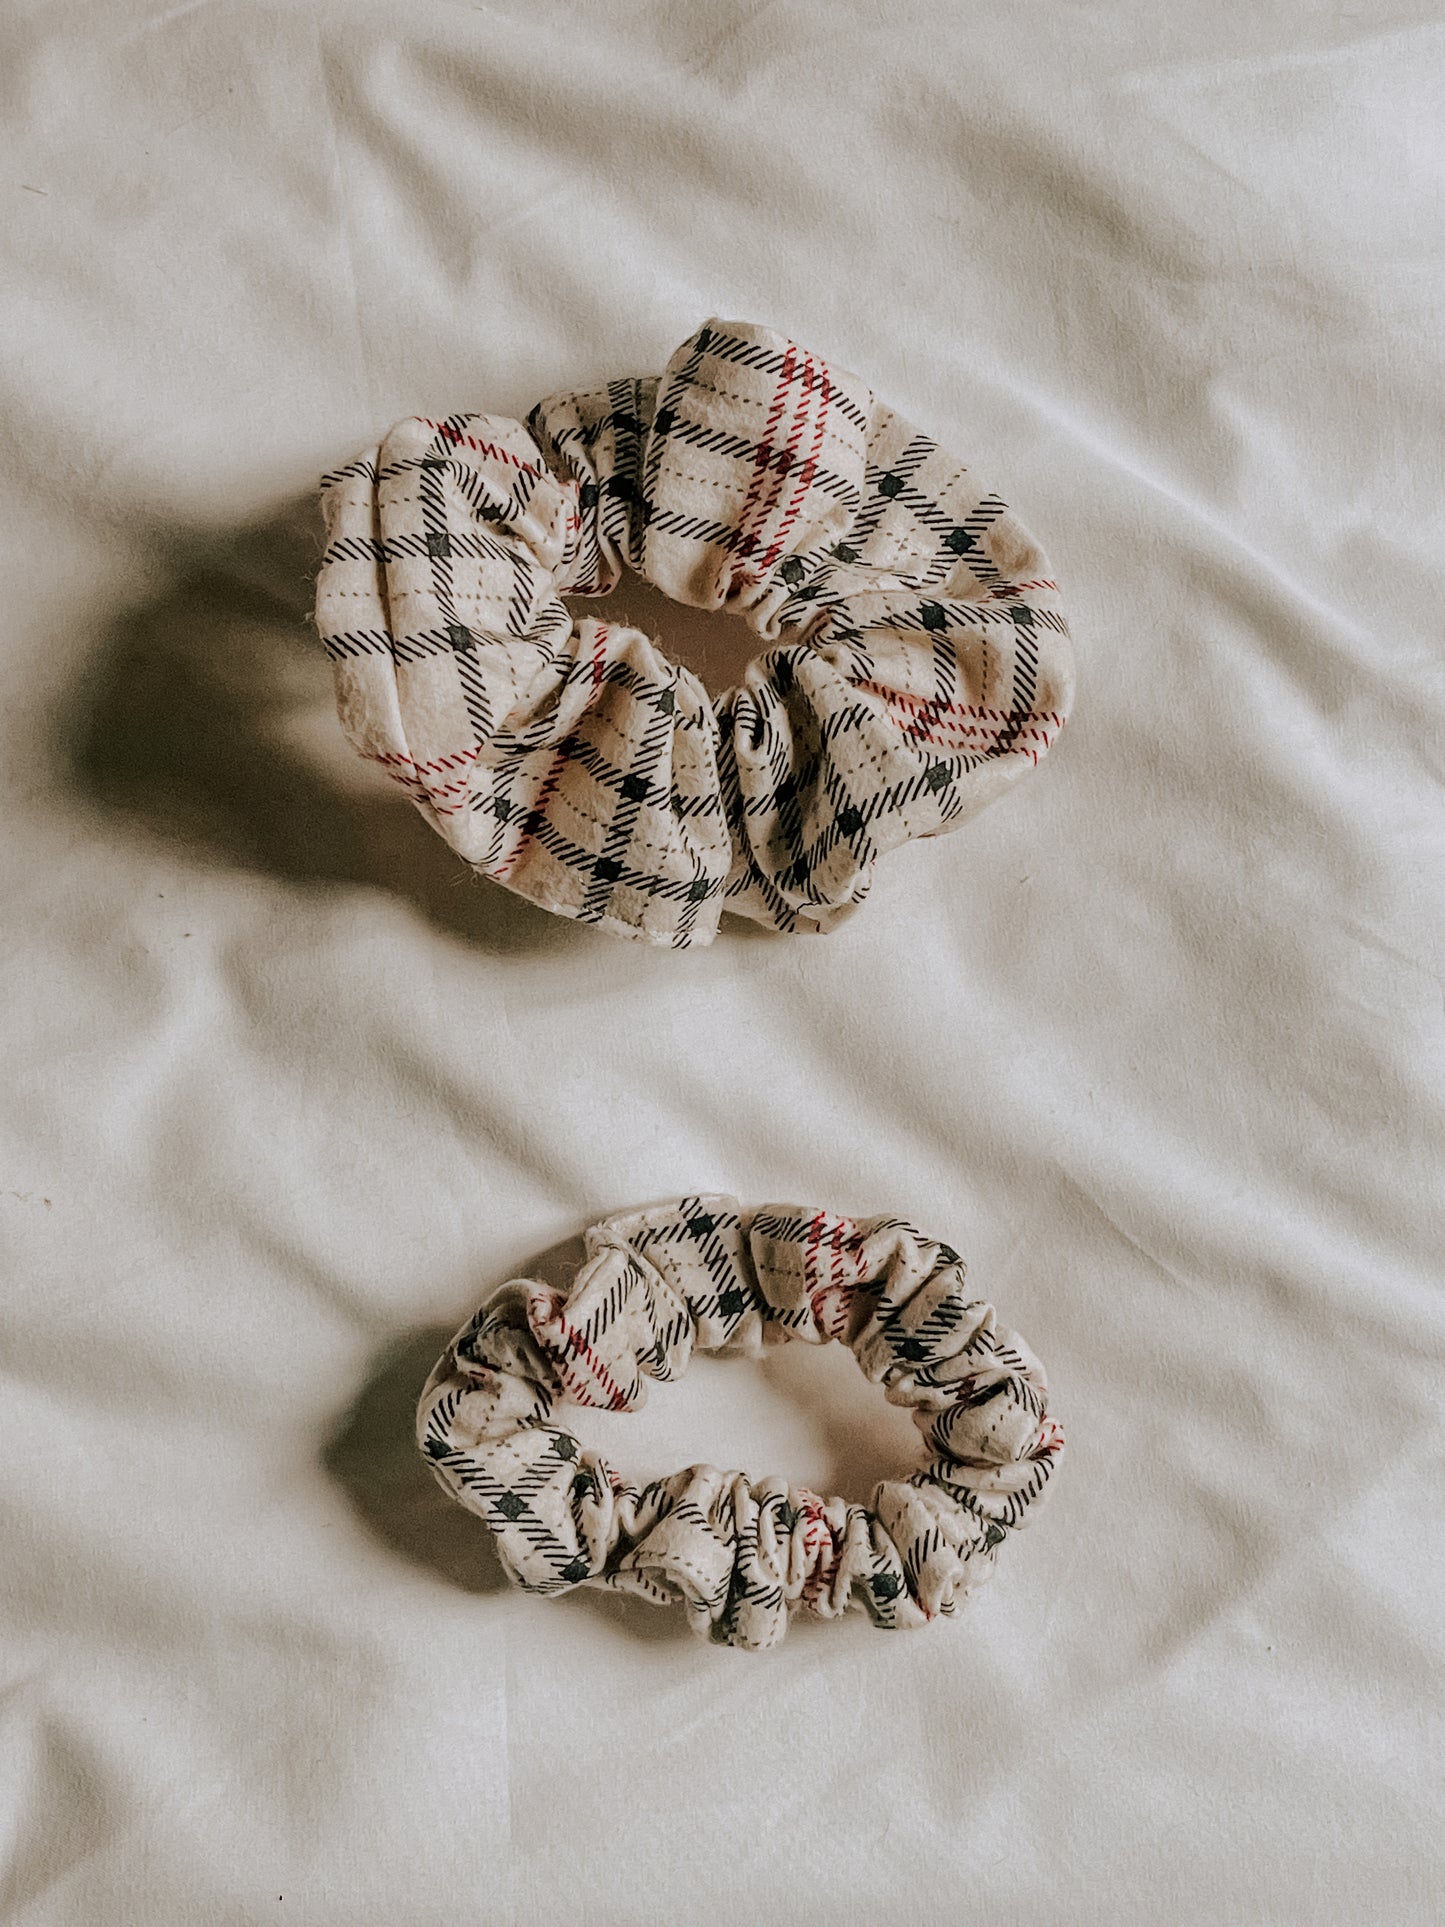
739, 1555
918, 662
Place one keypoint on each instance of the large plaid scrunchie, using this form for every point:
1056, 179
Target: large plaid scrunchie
699, 1275
919, 661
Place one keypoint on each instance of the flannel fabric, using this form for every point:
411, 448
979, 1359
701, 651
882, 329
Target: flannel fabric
917, 661
701, 1275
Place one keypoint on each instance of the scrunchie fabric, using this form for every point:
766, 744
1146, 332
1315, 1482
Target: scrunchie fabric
739, 1555
918, 662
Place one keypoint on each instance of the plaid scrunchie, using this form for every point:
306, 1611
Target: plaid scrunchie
918, 661
699, 1275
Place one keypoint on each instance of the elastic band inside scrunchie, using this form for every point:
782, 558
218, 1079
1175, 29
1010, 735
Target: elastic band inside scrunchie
917, 661
739, 1555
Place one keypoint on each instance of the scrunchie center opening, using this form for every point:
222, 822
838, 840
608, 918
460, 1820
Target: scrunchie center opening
714, 644
796, 1405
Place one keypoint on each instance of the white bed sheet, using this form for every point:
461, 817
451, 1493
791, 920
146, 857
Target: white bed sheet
1157, 1041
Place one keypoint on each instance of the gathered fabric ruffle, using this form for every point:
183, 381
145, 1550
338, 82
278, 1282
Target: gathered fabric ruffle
738, 1554
916, 660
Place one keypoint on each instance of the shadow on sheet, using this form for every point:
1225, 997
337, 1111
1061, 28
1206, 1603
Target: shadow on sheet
209, 719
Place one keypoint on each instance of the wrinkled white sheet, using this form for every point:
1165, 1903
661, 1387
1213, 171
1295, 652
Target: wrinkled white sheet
1157, 1041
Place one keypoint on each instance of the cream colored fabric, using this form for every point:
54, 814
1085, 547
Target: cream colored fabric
918, 662
740, 1554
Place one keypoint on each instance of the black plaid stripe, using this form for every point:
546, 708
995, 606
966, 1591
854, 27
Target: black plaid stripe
697, 1245
757, 348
